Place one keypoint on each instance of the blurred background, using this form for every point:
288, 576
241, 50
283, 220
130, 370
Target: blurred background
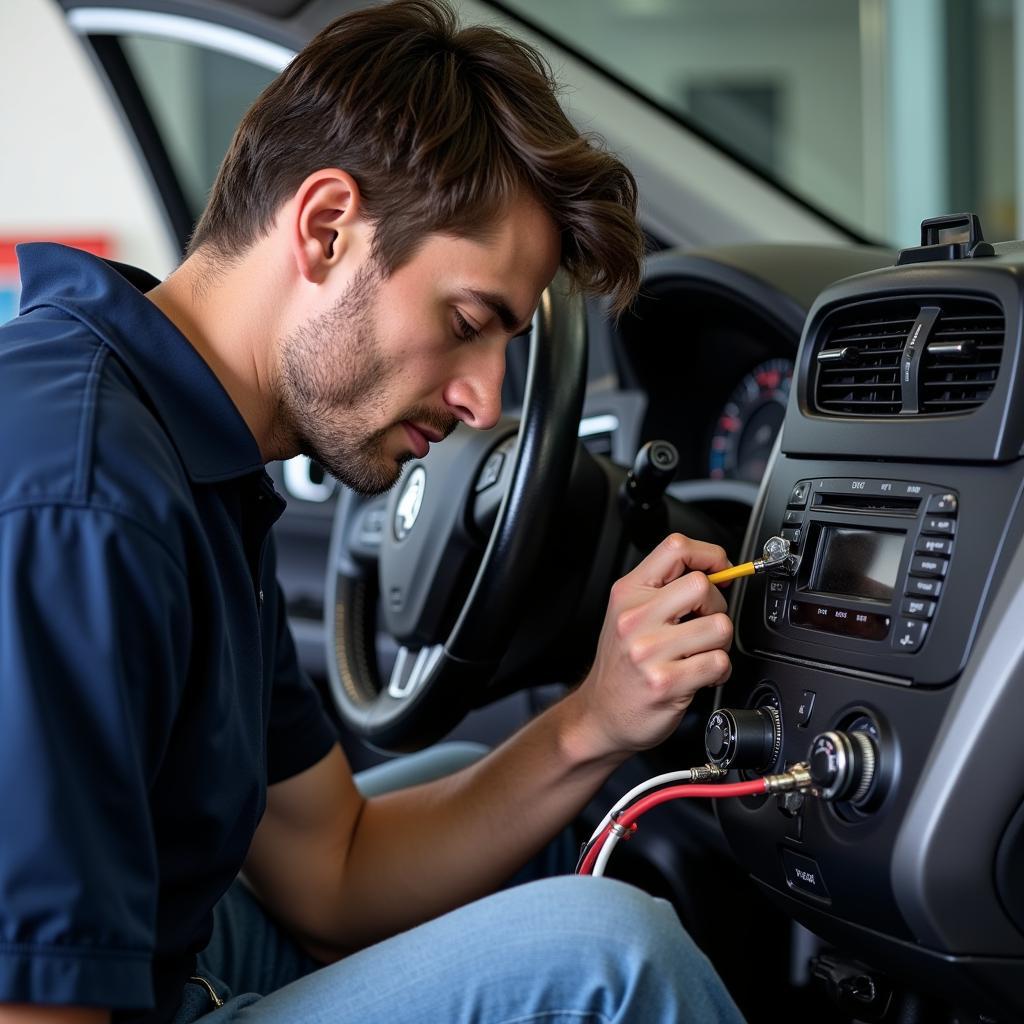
67, 169
877, 112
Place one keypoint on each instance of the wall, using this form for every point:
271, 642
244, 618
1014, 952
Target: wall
65, 165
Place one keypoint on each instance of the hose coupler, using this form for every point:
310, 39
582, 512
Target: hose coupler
796, 776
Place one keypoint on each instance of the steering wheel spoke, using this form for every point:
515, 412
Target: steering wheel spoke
367, 529
491, 485
412, 669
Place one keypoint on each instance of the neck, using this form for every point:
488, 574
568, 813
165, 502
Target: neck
229, 315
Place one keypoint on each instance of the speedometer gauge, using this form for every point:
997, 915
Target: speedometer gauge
747, 425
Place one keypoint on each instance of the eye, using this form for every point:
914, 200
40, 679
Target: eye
465, 330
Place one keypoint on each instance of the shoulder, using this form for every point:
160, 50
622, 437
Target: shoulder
85, 434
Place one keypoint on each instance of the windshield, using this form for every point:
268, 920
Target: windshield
879, 113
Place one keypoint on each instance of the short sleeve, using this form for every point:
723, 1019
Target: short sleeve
94, 641
299, 734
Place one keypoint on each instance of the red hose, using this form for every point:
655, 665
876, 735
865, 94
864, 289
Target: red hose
627, 819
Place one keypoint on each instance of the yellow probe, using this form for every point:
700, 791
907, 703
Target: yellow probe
775, 556
734, 573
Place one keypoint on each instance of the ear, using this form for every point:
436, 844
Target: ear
326, 208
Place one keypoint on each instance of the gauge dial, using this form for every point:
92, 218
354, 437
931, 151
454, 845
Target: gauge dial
746, 428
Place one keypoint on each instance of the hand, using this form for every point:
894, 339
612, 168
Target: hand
649, 664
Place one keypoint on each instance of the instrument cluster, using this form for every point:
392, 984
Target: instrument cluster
745, 429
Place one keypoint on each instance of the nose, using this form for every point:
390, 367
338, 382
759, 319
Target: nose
474, 393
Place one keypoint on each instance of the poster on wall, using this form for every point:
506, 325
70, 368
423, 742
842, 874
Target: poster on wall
10, 283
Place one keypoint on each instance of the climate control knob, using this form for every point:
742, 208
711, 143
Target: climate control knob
743, 738
843, 765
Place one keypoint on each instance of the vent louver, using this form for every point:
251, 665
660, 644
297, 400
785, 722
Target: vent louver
961, 359
858, 363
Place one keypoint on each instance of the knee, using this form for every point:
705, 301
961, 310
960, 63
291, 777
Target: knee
587, 895
640, 960
604, 912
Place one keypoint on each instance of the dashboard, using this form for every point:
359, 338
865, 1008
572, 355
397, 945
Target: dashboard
878, 425
897, 479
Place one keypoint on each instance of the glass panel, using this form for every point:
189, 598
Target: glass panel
878, 112
197, 97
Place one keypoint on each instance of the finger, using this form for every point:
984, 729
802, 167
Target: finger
690, 594
711, 668
683, 640
673, 556
708, 668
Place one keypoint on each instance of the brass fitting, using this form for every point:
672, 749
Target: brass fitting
796, 776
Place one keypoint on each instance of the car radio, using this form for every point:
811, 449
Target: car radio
873, 557
893, 569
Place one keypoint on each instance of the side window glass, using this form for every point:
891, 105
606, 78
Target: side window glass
196, 97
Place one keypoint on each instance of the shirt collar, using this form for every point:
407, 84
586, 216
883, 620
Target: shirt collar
207, 429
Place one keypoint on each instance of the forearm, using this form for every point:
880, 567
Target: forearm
20, 1013
343, 872
419, 852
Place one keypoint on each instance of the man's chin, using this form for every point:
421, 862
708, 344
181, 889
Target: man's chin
368, 481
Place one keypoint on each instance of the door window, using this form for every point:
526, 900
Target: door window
196, 97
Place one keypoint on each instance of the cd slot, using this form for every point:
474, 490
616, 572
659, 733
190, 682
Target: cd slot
884, 504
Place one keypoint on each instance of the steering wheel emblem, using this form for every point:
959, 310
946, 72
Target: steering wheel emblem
409, 503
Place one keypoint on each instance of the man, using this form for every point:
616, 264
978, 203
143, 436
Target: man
386, 218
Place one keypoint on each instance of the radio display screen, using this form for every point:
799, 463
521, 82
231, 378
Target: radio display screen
859, 563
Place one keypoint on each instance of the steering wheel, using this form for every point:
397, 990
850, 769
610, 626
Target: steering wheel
449, 554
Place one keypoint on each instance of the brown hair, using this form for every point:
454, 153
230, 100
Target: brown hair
441, 127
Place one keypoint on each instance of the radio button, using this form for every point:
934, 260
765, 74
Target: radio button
923, 588
919, 607
774, 610
934, 546
909, 635
804, 875
793, 536
798, 496
943, 527
942, 504
805, 707
926, 565
792, 518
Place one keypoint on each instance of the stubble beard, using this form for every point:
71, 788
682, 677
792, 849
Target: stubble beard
334, 386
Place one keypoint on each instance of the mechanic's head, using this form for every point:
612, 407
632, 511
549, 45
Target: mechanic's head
425, 185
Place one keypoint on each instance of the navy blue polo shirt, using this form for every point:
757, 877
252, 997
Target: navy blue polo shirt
149, 687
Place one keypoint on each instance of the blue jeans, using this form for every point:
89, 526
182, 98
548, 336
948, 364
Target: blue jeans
562, 950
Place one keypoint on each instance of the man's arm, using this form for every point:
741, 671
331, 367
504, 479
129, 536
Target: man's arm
95, 628
343, 872
15, 1013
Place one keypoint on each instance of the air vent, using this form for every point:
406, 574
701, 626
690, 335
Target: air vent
961, 359
858, 365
